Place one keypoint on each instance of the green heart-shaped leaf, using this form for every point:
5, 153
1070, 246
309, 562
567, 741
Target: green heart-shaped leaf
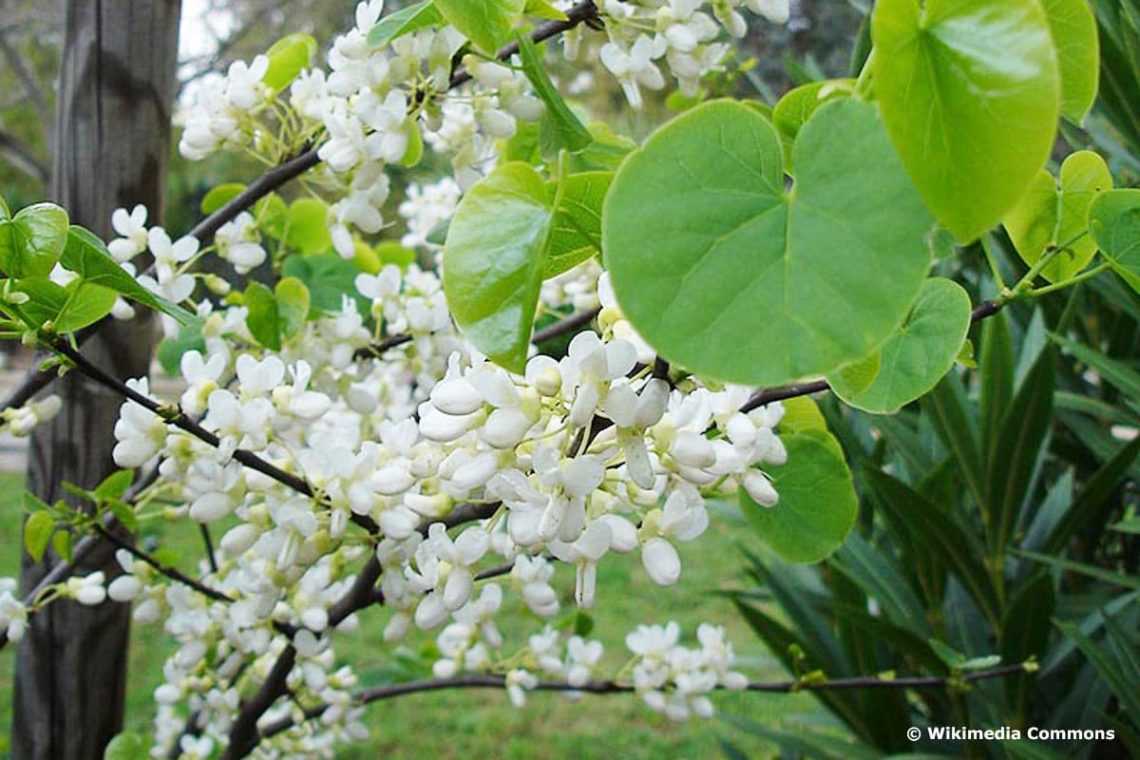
495, 260
728, 275
1114, 222
1078, 54
31, 242
970, 93
1046, 216
915, 358
817, 506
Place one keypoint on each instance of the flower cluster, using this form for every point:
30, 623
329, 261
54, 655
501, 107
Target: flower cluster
676, 680
378, 106
426, 468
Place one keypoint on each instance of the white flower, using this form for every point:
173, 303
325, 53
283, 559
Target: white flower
585, 552
169, 253
140, 433
760, 489
534, 573
132, 230
518, 682
13, 614
243, 82
583, 656
635, 67
239, 244
297, 399
201, 376
124, 588
87, 590
776, 11
444, 571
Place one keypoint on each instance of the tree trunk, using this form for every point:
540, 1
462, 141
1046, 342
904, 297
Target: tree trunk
112, 147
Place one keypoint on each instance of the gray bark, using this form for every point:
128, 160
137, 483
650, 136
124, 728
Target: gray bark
112, 142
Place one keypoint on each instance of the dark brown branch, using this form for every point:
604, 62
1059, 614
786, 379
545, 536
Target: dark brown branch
376, 350
172, 573
582, 13
244, 735
568, 325
486, 681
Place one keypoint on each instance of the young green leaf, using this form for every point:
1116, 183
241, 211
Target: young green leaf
288, 57
220, 196
128, 746
68, 308
306, 226
559, 128
170, 350
817, 506
576, 234
292, 299
728, 275
404, 21
329, 278
495, 260
115, 485
1048, 217
1114, 222
87, 256
32, 241
970, 93
917, 355
37, 534
487, 23
263, 320
797, 106
1078, 54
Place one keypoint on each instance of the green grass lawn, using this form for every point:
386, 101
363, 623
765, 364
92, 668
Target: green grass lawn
479, 724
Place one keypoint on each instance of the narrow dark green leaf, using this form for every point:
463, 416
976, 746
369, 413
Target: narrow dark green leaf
1115, 579
560, 128
1094, 499
1025, 633
1024, 429
1126, 379
995, 379
958, 430
1109, 669
938, 535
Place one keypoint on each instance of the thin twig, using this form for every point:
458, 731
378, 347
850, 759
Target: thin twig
487, 681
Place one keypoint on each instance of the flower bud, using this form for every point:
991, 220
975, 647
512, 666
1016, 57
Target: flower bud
456, 397
760, 489
124, 588
661, 561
